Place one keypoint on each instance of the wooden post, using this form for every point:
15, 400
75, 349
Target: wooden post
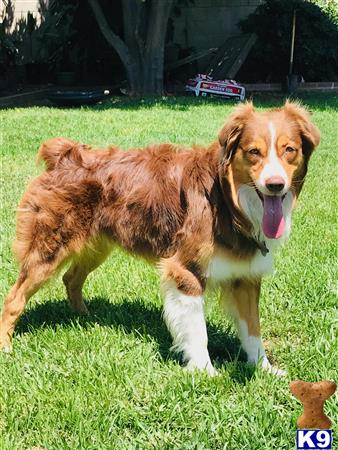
292, 42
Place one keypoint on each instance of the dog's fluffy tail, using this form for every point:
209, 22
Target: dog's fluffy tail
58, 151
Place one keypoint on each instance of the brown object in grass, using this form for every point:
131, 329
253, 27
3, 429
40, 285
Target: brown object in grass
313, 396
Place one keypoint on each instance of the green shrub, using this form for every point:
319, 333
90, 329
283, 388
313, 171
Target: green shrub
315, 55
329, 7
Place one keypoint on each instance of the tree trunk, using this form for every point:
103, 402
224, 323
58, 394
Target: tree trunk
142, 51
114, 40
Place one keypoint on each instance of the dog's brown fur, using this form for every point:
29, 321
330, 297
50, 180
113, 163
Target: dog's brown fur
162, 202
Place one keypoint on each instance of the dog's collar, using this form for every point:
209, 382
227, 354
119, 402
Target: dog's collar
261, 246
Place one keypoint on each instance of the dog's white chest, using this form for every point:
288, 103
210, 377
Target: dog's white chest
223, 267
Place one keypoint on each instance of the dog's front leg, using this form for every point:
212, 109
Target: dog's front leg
184, 315
240, 298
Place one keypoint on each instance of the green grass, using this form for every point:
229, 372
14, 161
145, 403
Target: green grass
109, 381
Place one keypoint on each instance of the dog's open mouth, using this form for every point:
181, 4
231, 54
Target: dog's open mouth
273, 223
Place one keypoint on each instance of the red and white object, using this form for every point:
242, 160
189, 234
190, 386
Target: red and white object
204, 85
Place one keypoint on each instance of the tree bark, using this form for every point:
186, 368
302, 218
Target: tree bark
159, 16
142, 51
115, 41
133, 11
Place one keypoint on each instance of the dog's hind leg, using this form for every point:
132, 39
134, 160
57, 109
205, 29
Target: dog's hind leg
31, 278
89, 259
44, 241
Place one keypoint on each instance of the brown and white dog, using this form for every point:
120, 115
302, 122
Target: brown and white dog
208, 214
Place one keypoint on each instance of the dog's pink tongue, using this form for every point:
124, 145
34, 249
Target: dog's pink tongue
273, 221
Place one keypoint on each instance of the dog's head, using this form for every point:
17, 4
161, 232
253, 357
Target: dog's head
265, 157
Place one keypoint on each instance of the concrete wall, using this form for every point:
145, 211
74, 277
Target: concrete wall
207, 23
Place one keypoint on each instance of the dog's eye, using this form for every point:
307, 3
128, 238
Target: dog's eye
254, 151
289, 149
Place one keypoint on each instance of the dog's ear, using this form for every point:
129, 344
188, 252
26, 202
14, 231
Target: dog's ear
310, 134
230, 134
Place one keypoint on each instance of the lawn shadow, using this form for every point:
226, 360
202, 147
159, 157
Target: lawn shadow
316, 100
180, 103
134, 317
320, 101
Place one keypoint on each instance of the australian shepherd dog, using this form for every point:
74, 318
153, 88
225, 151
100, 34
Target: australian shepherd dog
213, 214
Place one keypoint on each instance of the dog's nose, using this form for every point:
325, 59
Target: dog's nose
275, 184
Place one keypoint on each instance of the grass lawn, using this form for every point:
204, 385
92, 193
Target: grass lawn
109, 381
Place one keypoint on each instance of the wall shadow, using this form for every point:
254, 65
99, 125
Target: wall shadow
132, 316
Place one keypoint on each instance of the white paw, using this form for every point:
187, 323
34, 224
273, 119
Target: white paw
265, 364
203, 366
7, 349
5, 344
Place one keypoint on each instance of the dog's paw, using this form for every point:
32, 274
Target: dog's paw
211, 371
79, 308
5, 345
7, 349
205, 367
82, 310
267, 366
